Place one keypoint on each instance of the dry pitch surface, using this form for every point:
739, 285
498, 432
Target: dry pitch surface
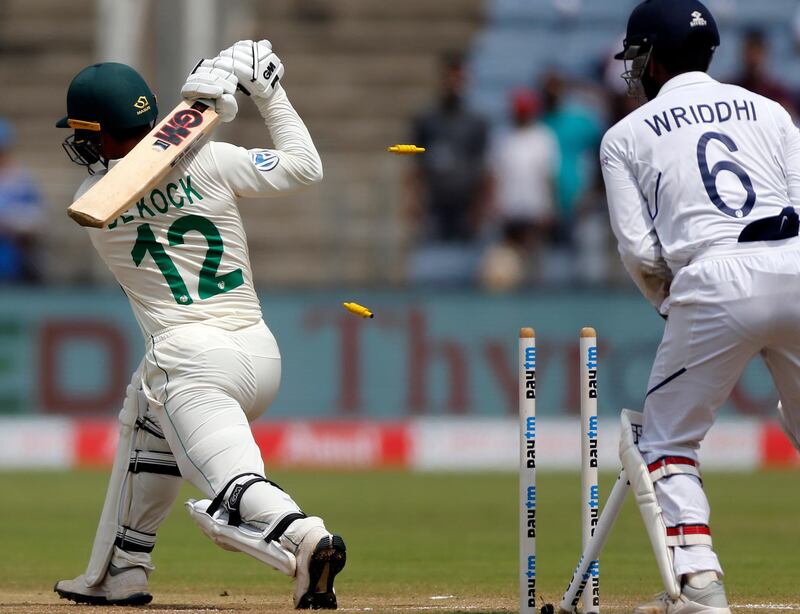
416, 543
41, 603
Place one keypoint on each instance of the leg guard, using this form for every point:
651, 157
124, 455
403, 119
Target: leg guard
143, 485
151, 488
221, 520
641, 483
684, 508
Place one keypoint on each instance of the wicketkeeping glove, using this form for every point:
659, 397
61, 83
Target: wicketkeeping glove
256, 66
215, 81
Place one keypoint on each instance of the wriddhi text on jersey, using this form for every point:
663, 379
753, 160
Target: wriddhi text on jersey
714, 113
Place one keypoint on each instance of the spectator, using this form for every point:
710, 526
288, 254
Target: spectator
755, 75
525, 167
448, 184
21, 213
578, 130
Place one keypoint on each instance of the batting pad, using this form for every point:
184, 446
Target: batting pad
242, 538
642, 485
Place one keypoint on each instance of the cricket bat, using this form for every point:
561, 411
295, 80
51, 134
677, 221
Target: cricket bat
145, 165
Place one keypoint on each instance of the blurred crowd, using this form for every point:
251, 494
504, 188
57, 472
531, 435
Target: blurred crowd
519, 204
499, 206
21, 214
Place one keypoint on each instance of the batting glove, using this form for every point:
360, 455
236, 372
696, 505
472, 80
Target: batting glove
213, 80
256, 66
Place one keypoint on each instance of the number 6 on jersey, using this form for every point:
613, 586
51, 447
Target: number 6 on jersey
710, 176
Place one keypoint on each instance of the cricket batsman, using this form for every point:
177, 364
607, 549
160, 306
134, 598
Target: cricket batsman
211, 365
702, 184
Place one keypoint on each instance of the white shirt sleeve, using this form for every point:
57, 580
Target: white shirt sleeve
637, 240
293, 163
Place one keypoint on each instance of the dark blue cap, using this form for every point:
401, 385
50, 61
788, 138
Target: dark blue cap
669, 24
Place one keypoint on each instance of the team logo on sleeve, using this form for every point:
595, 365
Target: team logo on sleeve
264, 159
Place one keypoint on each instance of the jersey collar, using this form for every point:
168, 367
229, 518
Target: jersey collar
685, 79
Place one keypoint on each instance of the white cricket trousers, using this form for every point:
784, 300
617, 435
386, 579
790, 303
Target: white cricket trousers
205, 384
727, 306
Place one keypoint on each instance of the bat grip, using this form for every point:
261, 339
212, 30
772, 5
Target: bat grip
201, 104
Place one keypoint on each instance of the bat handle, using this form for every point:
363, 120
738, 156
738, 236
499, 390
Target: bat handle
201, 104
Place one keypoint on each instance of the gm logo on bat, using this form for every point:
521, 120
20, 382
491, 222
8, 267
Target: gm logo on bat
175, 130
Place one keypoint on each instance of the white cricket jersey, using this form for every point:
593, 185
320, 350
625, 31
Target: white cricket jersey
690, 169
180, 253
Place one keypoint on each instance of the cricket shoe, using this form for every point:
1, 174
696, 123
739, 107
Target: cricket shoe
320, 557
120, 586
707, 600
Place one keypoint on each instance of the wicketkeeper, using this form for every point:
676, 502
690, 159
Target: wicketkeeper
702, 185
211, 364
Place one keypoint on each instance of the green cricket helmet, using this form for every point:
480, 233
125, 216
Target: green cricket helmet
110, 97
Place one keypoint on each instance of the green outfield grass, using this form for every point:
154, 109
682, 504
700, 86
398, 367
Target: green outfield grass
409, 537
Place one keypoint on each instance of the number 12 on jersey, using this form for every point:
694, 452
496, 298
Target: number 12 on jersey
210, 284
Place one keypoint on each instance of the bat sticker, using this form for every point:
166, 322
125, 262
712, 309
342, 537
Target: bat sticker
177, 128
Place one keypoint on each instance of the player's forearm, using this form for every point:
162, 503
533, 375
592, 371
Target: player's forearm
299, 156
652, 278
